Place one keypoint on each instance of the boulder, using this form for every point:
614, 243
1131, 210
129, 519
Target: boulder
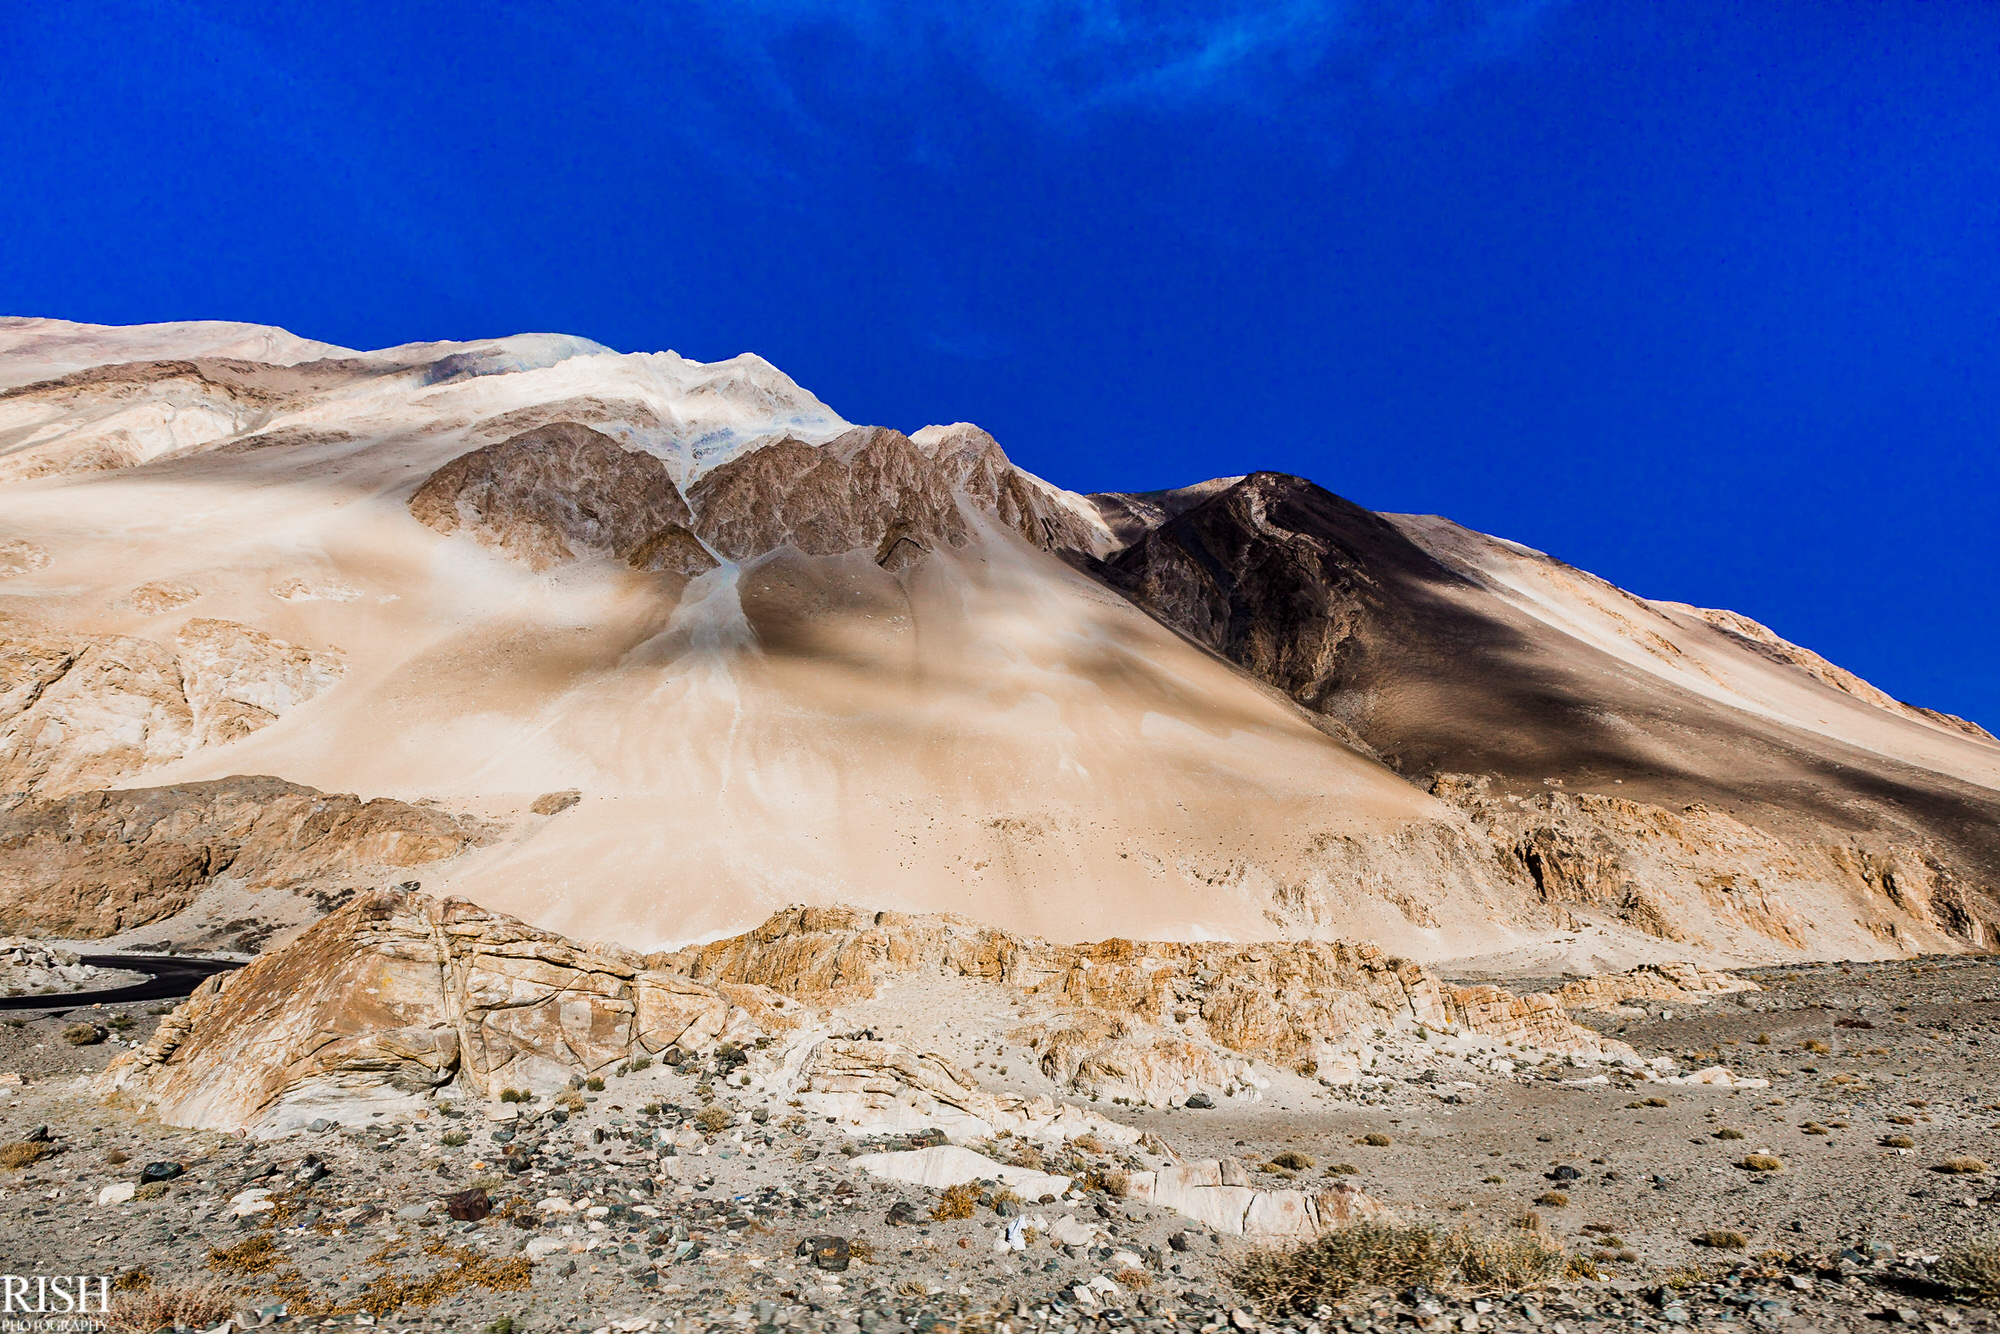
1216, 1192
398, 995
947, 1165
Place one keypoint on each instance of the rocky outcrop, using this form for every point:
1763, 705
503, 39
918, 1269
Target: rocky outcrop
21, 557
83, 711
96, 863
1677, 981
559, 492
238, 680
399, 995
1151, 1021
878, 490
885, 1088
1700, 875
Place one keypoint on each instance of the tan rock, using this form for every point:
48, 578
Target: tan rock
95, 863
1150, 1021
78, 712
238, 680
1677, 980
399, 994
20, 556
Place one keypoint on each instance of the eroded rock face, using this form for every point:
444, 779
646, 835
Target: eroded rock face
81, 711
400, 994
238, 680
96, 863
1678, 981
878, 490
554, 493
1148, 1021
886, 1088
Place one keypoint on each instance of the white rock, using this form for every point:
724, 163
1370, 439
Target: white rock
117, 1193
952, 1165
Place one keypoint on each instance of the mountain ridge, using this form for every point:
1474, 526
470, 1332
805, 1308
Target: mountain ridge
784, 658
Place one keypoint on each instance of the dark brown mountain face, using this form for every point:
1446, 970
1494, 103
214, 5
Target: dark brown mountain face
1438, 673
557, 492
1336, 607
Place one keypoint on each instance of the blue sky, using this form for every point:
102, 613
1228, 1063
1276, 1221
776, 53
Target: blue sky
1701, 295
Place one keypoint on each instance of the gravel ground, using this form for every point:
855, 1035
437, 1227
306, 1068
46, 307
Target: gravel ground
623, 1217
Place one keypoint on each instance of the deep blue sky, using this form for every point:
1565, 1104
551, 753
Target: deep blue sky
1701, 295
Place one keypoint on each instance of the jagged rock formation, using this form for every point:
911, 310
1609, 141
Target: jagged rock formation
885, 1088
1148, 1022
896, 496
1680, 982
82, 711
397, 995
96, 863
1655, 869
551, 494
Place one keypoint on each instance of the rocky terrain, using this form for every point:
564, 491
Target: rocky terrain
711, 1186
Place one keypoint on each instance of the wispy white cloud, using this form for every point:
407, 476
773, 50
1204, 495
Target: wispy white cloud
1065, 61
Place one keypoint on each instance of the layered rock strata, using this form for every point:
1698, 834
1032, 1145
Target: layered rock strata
93, 864
399, 995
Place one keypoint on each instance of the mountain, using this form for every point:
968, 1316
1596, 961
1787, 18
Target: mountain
642, 649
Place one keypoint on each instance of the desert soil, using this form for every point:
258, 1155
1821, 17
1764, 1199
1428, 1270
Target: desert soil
703, 1231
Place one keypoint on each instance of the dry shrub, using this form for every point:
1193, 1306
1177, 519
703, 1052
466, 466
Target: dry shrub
1135, 1280
861, 1250
22, 1153
1552, 1199
1762, 1039
1376, 1139
1367, 1256
1972, 1270
956, 1202
196, 1306
1343, 1170
1291, 1160
1963, 1166
1729, 1132
1111, 1180
117, 1157
83, 1035
1762, 1162
570, 1100
713, 1119
1721, 1239
1088, 1142
1901, 1120
1898, 1142
253, 1255
595, 1083
1812, 1128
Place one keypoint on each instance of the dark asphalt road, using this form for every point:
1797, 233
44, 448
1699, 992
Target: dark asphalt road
172, 976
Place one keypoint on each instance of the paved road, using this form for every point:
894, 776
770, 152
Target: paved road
171, 976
